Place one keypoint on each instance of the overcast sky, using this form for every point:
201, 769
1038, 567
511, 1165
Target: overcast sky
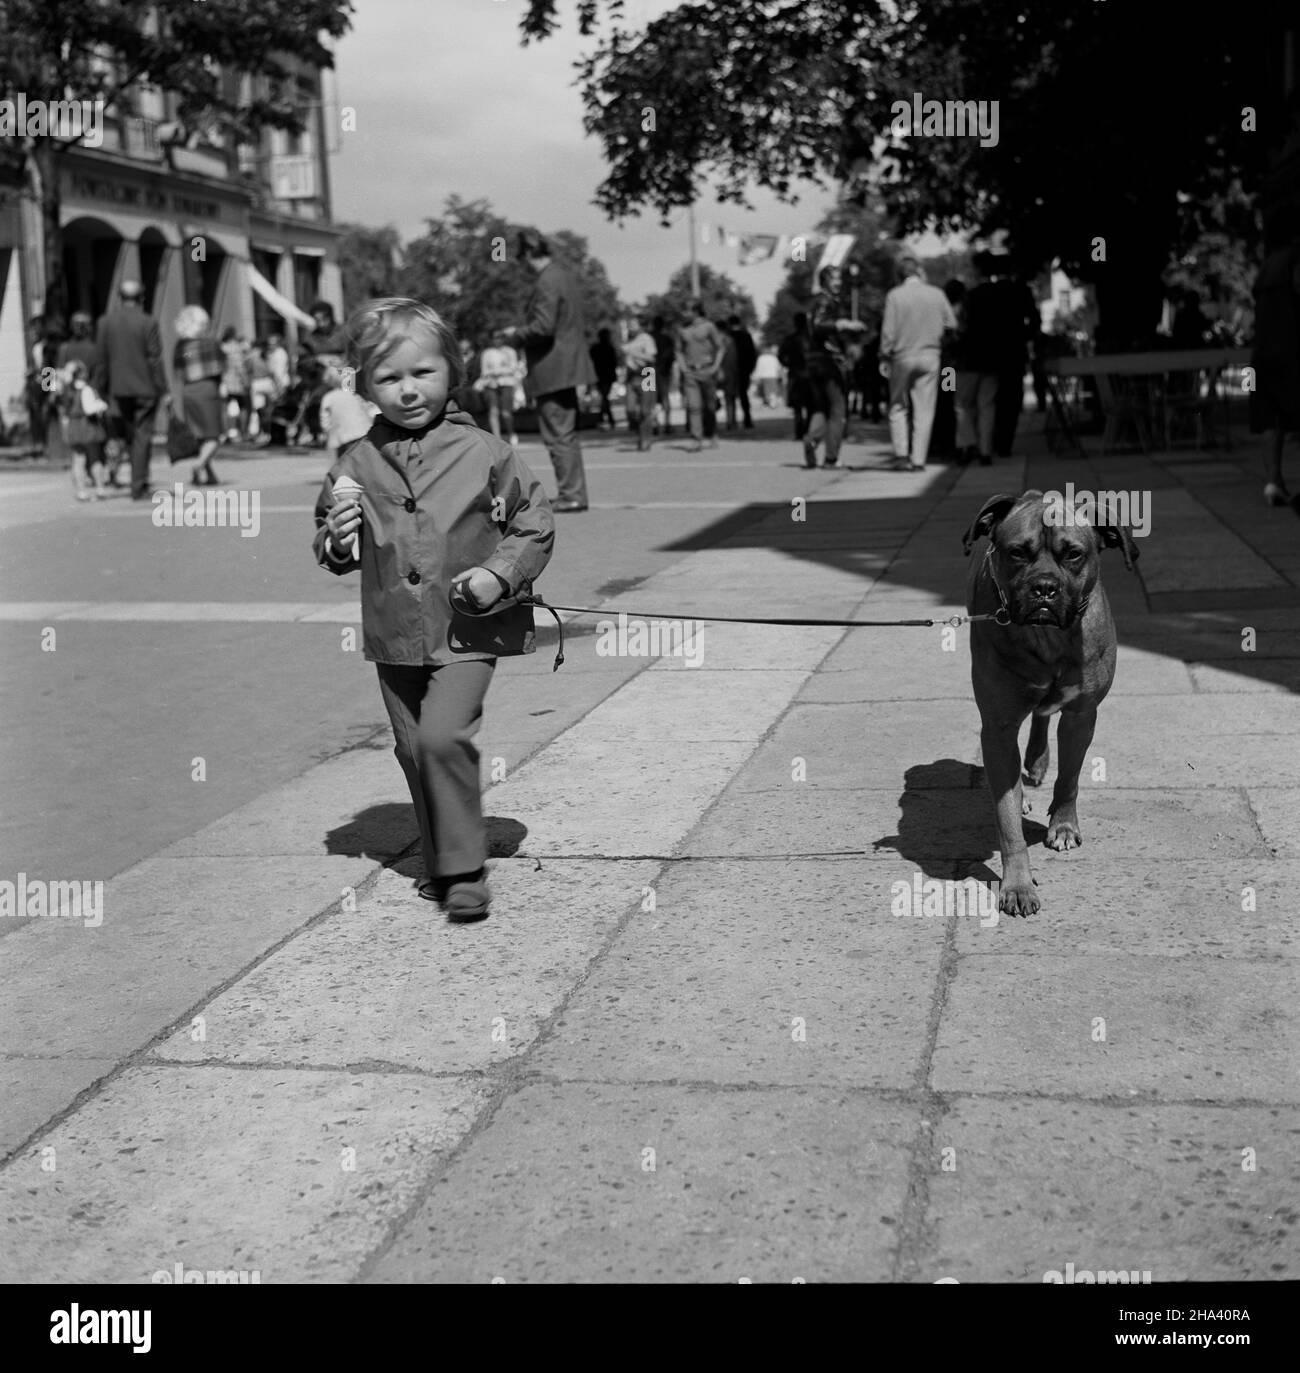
448, 102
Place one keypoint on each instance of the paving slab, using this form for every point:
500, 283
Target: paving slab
775, 1186
228, 1169
172, 929
1277, 813
1039, 1184
35, 1089
651, 795
852, 746
1172, 909
763, 972
394, 982
1174, 1028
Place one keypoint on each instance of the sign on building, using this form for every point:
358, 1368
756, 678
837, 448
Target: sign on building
293, 178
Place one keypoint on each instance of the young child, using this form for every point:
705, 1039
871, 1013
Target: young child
83, 431
443, 503
333, 406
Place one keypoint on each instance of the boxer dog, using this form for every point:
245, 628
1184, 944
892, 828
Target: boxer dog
1051, 649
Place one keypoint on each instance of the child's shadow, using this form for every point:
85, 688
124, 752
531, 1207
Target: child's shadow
384, 833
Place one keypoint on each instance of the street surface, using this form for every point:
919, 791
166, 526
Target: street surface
697, 1040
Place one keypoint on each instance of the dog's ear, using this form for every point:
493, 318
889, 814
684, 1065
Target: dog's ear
994, 512
1117, 536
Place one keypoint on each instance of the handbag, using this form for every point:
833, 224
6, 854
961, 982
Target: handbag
182, 441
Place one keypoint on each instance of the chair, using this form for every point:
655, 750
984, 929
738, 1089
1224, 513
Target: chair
1125, 403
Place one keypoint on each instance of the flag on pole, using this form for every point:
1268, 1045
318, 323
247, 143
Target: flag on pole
756, 248
836, 250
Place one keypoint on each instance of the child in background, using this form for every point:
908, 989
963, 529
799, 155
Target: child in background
500, 373
333, 405
445, 505
81, 412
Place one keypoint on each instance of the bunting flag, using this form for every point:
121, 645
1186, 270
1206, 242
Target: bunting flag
752, 249
756, 248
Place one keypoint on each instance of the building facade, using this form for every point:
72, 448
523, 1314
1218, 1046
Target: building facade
245, 231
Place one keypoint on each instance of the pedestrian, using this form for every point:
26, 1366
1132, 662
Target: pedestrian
604, 358
665, 360
729, 377
699, 356
963, 399
746, 362
277, 362
1008, 320
444, 508
825, 396
469, 395
1275, 354
917, 315
235, 384
199, 364
793, 356
639, 359
555, 349
500, 372
982, 350
81, 413
767, 376
317, 350
131, 378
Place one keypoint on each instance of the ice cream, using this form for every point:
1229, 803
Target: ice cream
345, 489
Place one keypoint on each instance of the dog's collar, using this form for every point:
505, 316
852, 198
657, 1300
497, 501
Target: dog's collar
1003, 613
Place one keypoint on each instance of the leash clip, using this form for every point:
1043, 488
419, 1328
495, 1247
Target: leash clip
1002, 616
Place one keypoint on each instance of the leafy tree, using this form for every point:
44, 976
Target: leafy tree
369, 262
465, 266
1113, 126
721, 296
93, 50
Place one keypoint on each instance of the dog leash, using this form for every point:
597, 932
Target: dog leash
460, 604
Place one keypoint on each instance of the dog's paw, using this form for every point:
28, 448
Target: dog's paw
1036, 770
1063, 834
1018, 898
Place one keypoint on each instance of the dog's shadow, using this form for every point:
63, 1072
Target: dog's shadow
384, 833
945, 823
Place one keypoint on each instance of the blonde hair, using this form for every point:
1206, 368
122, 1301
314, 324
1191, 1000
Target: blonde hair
192, 322
376, 327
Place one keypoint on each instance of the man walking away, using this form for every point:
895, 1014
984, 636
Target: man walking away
700, 351
131, 377
554, 341
916, 317
746, 361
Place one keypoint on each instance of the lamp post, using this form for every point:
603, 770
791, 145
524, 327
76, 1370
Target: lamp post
854, 272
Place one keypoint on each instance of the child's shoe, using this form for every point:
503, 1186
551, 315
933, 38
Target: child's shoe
464, 897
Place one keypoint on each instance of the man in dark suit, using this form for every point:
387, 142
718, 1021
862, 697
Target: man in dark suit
130, 376
554, 341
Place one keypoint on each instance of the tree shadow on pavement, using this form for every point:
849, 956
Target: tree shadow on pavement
931, 561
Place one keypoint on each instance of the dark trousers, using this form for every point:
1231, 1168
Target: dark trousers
135, 418
435, 713
1006, 414
557, 418
744, 403
701, 395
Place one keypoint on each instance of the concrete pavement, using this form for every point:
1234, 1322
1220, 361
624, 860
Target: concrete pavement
699, 1039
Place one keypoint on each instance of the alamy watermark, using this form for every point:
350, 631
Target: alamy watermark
73, 120
938, 898
34, 898
208, 509
651, 639
1073, 508
178, 1274
922, 118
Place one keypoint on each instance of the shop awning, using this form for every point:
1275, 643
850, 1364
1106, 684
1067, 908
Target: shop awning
282, 305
